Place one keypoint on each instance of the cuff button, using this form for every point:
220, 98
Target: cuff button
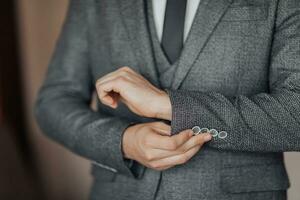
196, 130
204, 130
222, 134
213, 132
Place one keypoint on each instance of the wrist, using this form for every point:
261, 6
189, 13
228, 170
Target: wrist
164, 110
126, 142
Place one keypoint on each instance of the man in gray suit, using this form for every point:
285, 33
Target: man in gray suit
209, 102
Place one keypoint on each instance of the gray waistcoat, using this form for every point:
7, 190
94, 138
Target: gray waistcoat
165, 70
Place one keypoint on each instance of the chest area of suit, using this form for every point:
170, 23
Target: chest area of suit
236, 45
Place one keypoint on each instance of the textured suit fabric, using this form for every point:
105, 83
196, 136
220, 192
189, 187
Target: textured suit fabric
165, 69
264, 121
238, 72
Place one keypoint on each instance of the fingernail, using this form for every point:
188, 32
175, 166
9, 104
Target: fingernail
191, 133
207, 137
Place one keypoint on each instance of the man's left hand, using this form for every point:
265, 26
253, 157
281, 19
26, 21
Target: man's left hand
138, 94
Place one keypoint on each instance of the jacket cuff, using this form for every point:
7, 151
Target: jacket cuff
189, 110
180, 117
109, 154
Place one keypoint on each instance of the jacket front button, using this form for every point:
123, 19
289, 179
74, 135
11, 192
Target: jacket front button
196, 130
222, 134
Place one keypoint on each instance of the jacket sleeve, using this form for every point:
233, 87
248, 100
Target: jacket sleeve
63, 105
264, 122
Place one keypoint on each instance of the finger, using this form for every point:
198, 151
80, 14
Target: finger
107, 98
158, 141
175, 160
123, 72
163, 168
115, 97
110, 85
157, 154
161, 127
164, 132
107, 89
195, 141
131, 72
107, 77
181, 138
134, 73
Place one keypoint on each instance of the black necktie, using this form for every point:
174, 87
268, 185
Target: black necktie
172, 38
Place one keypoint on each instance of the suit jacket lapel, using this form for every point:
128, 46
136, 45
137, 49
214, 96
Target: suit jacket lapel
135, 20
208, 15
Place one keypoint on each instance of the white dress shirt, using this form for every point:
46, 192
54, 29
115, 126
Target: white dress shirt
159, 7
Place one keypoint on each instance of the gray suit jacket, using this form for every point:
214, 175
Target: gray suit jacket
239, 72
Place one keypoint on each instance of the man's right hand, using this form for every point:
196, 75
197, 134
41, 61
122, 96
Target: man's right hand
152, 145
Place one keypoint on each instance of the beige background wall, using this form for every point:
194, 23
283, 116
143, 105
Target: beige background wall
65, 175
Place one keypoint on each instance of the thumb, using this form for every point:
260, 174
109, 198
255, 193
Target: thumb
161, 128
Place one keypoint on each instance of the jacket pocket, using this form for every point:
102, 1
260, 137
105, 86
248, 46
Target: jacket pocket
246, 13
254, 178
102, 174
